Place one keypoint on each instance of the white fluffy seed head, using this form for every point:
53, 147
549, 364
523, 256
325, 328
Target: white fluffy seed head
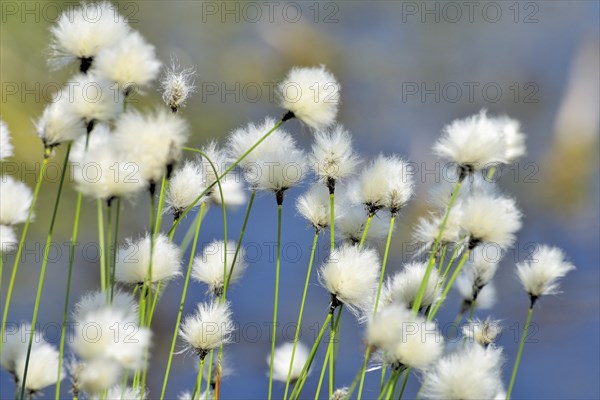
242, 139
312, 94
101, 171
491, 219
15, 201
539, 276
351, 275
177, 85
96, 376
152, 141
42, 370
210, 327
402, 288
8, 239
6, 147
110, 332
514, 139
185, 186
283, 359
135, 262
332, 156
96, 301
59, 122
14, 344
484, 332
351, 221
209, 267
124, 393
471, 373
473, 142
314, 206
427, 230
406, 339
386, 183
340, 393
82, 32
93, 97
482, 266
234, 192
486, 296
131, 63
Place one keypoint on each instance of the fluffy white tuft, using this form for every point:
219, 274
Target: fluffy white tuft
386, 183
59, 123
210, 327
471, 373
514, 139
491, 219
486, 296
473, 142
351, 275
332, 157
539, 276
283, 359
151, 141
209, 267
402, 288
351, 221
427, 230
134, 261
406, 339
8, 239
125, 393
102, 171
177, 85
6, 147
93, 97
484, 332
312, 94
15, 201
42, 370
131, 63
242, 139
186, 184
84, 31
96, 376
234, 192
314, 206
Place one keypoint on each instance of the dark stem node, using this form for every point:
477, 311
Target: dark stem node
533, 299
335, 303
152, 188
85, 64
90, 126
473, 242
287, 116
279, 196
464, 170
331, 185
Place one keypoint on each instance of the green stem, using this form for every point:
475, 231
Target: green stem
198, 386
365, 231
38, 296
15, 267
101, 250
115, 249
406, 375
109, 249
301, 313
421, 293
323, 369
513, 376
68, 291
449, 284
275, 299
333, 350
311, 356
332, 221
228, 170
356, 379
182, 301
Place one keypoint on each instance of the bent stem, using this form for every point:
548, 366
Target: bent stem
182, 301
513, 376
301, 313
276, 295
421, 293
15, 267
68, 291
38, 295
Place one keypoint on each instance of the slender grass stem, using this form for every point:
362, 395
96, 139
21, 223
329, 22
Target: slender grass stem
311, 356
333, 350
63, 328
301, 313
421, 293
182, 301
198, 385
38, 295
108, 256
332, 221
115, 249
329, 354
15, 267
227, 171
275, 297
356, 379
323, 369
365, 231
101, 249
513, 376
449, 285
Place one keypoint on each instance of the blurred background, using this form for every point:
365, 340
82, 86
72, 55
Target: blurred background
406, 69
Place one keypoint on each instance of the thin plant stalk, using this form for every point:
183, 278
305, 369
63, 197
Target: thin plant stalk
182, 301
332, 221
404, 382
333, 351
275, 297
101, 249
323, 369
329, 354
513, 376
63, 328
365, 231
38, 296
228, 170
15, 267
301, 313
449, 284
115, 249
198, 386
421, 293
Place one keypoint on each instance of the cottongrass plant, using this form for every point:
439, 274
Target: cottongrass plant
468, 216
